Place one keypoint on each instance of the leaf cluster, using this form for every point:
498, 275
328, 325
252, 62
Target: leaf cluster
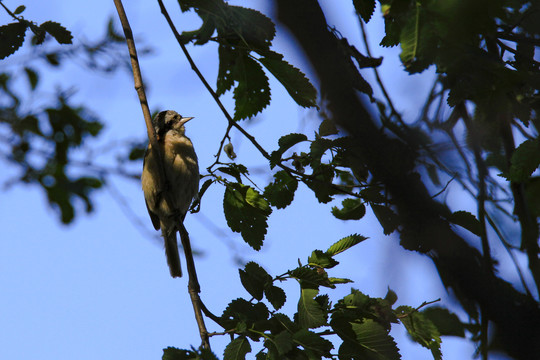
45, 142
245, 37
360, 323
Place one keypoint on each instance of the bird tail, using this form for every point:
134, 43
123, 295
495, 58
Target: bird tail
171, 251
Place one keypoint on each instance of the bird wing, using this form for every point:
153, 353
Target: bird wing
153, 217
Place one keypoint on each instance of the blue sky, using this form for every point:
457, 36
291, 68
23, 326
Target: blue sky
100, 288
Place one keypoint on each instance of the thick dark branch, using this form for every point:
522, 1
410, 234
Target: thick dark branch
424, 227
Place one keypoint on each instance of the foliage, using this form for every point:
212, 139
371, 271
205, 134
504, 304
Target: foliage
357, 326
478, 129
44, 141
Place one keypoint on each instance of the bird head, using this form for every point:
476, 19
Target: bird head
169, 120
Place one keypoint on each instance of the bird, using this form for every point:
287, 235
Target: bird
181, 184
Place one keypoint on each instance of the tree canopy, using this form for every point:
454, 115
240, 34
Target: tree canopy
478, 129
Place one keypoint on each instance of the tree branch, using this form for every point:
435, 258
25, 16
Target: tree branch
193, 284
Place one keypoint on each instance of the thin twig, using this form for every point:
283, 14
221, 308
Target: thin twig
15, 17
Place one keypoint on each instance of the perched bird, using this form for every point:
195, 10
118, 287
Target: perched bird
182, 181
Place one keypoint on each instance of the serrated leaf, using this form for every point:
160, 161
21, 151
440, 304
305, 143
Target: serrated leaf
32, 77
245, 27
287, 141
308, 277
60, 33
312, 342
466, 220
227, 61
321, 259
246, 212
172, 353
327, 128
242, 312
280, 193
387, 218
421, 329
317, 150
237, 349
310, 313
525, 160
295, 82
321, 183
344, 244
254, 279
373, 342
364, 8
447, 323
353, 209
276, 296
283, 342
252, 94
11, 38
409, 38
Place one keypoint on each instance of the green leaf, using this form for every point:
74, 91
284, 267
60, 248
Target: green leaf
525, 160
308, 277
240, 311
317, 150
276, 296
310, 313
344, 244
172, 353
373, 342
280, 193
387, 218
321, 259
447, 323
364, 8
321, 183
421, 329
283, 342
52, 59
313, 344
11, 38
409, 38
252, 94
57, 31
254, 279
287, 141
32, 77
334, 280
327, 128
246, 212
237, 349
226, 74
391, 296
245, 27
353, 209
19, 9
294, 81
466, 220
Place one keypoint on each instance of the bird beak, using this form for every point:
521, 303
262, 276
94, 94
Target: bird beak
185, 120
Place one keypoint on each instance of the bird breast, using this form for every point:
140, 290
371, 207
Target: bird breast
181, 169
